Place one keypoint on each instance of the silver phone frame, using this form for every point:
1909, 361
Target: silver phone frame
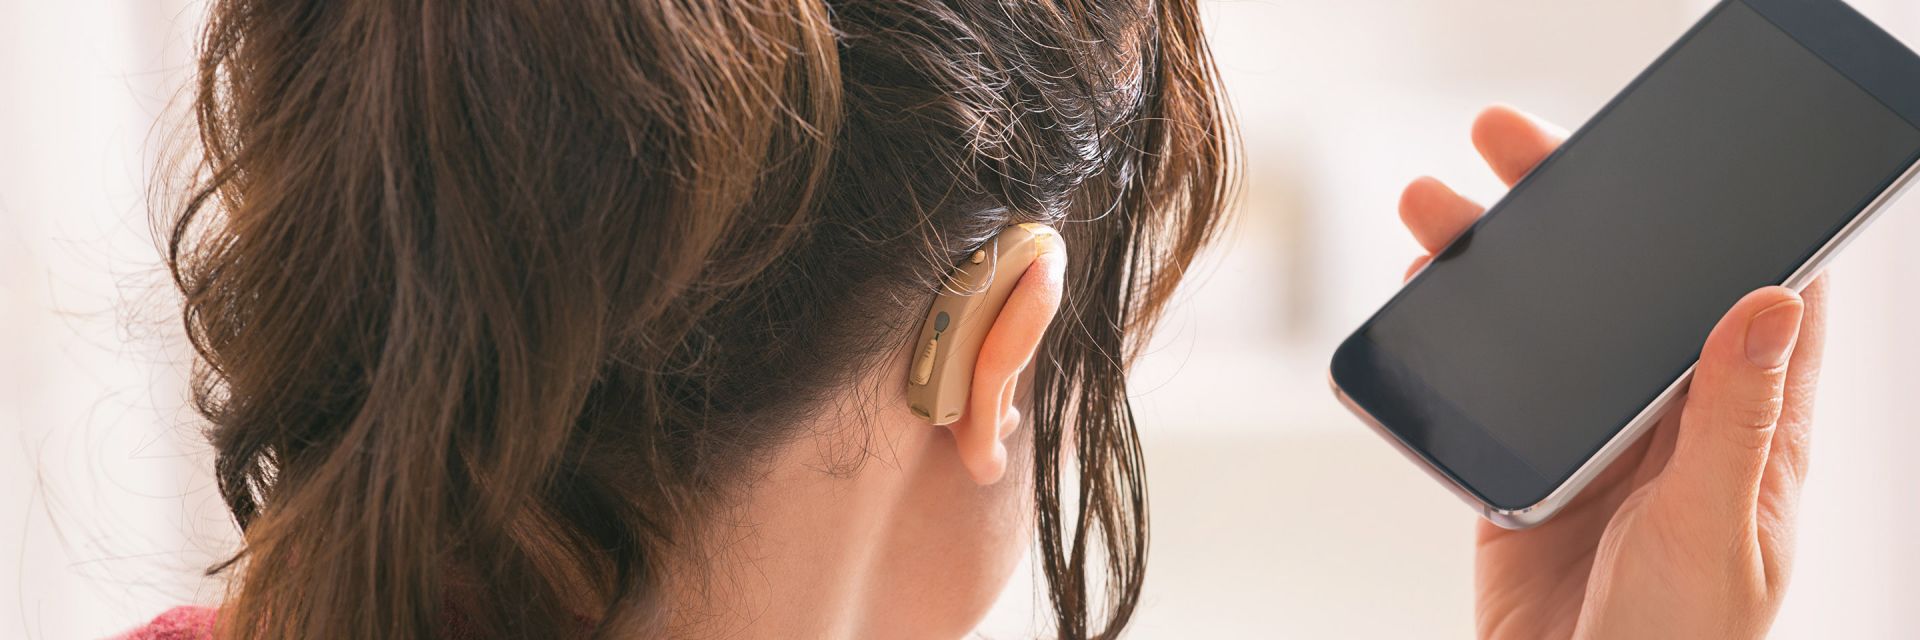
1562, 495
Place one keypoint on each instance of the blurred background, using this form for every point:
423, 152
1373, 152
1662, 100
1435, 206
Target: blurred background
107, 514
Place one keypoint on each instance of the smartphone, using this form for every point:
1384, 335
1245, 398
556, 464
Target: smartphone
1561, 326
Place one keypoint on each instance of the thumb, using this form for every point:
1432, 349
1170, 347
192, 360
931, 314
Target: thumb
1727, 425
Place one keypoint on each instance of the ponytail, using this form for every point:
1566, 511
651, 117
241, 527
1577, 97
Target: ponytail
424, 231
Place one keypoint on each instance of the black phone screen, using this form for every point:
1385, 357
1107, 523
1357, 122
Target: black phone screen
1590, 289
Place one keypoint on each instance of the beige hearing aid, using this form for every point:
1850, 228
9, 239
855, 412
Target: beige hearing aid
942, 368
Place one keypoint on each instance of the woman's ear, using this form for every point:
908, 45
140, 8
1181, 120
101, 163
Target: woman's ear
1005, 354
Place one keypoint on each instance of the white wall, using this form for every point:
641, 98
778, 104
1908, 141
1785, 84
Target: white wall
92, 437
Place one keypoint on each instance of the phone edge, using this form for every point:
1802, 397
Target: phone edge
1563, 494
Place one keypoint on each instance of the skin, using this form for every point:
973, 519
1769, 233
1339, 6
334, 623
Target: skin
1690, 533
917, 537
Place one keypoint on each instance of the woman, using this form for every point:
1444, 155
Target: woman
590, 319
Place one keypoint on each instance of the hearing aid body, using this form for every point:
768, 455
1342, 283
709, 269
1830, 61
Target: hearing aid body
941, 373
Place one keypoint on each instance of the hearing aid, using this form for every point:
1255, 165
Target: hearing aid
949, 342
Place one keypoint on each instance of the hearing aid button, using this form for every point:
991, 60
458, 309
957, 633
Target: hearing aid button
978, 256
923, 364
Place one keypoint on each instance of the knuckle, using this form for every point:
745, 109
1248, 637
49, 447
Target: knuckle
1757, 440
1758, 413
1748, 424
1751, 401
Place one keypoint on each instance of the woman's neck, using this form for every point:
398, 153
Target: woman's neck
795, 559
872, 538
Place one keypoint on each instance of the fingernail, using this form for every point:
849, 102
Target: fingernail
1771, 334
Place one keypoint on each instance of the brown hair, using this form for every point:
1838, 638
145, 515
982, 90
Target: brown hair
494, 300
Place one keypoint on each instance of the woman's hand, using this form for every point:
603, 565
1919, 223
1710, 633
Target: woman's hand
1690, 533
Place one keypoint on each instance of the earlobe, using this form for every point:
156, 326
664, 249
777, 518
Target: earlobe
992, 413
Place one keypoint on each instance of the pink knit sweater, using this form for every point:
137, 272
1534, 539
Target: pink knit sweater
196, 623
179, 623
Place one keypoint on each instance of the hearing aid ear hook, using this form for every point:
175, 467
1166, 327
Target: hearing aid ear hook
969, 301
